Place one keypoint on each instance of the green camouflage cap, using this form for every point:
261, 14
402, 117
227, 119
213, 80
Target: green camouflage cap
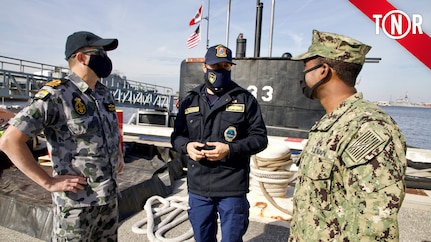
337, 47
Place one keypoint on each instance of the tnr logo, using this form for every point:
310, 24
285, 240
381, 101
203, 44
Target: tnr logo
396, 24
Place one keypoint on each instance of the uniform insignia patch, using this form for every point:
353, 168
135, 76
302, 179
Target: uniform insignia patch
79, 106
42, 94
238, 108
54, 83
110, 107
230, 134
191, 110
364, 145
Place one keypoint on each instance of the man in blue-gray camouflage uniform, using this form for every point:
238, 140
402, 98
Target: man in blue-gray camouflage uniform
350, 183
78, 117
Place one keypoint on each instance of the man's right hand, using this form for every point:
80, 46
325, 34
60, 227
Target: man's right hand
194, 150
66, 183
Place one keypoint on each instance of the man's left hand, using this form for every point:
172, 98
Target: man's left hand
220, 151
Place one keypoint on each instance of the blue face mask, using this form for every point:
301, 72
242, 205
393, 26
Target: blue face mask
217, 80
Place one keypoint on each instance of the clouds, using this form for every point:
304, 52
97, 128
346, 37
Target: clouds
152, 36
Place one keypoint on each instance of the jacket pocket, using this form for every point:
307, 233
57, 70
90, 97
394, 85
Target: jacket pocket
194, 124
317, 181
232, 125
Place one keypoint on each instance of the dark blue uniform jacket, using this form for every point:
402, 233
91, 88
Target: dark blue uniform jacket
235, 119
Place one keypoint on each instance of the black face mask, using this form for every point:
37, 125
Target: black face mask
307, 91
101, 65
217, 80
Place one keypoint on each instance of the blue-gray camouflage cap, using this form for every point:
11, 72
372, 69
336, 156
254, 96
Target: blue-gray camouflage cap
335, 46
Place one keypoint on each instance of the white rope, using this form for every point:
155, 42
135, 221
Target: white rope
421, 173
271, 176
173, 206
275, 177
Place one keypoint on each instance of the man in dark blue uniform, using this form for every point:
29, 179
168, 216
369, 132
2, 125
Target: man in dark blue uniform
218, 127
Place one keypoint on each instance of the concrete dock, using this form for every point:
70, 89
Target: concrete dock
414, 218
414, 222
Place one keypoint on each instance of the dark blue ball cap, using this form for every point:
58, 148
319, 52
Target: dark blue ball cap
83, 39
217, 54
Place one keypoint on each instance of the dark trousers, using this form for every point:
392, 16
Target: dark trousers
233, 211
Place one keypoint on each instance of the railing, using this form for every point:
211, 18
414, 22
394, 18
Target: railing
21, 79
14, 64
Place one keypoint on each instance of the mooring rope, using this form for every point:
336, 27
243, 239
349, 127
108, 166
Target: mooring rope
174, 205
272, 177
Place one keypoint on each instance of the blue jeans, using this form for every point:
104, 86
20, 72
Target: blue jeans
233, 211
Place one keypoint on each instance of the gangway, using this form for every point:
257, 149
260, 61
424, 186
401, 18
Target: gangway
21, 79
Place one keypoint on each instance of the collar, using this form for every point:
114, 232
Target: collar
81, 84
329, 119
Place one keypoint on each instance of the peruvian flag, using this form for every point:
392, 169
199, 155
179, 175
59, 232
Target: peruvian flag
197, 18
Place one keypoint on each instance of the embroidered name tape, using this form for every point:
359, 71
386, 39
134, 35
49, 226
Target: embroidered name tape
191, 110
239, 108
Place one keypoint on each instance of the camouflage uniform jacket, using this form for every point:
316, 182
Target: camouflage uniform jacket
82, 133
350, 183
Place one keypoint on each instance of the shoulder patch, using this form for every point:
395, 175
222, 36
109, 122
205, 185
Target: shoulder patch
42, 94
364, 147
54, 83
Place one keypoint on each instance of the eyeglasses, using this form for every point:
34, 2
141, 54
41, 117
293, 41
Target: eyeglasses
312, 68
98, 51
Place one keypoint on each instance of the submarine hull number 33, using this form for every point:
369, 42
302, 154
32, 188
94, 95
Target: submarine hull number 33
266, 95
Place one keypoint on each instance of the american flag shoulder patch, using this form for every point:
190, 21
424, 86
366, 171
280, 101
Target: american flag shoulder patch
364, 145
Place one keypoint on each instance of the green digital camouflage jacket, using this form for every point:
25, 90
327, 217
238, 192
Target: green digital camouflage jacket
350, 183
82, 133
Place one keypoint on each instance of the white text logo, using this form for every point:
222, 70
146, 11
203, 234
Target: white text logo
396, 24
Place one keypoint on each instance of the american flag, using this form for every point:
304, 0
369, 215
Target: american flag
194, 38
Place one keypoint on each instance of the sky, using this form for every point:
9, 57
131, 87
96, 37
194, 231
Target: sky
152, 36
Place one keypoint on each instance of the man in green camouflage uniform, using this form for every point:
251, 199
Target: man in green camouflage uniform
78, 117
350, 183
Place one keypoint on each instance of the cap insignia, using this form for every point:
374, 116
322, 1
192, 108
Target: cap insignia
221, 51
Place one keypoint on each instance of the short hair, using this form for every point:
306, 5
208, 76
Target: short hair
71, 61
346, 71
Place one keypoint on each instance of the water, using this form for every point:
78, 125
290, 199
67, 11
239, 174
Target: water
415, 124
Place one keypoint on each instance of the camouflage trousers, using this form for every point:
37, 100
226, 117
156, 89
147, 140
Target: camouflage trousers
95, 223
